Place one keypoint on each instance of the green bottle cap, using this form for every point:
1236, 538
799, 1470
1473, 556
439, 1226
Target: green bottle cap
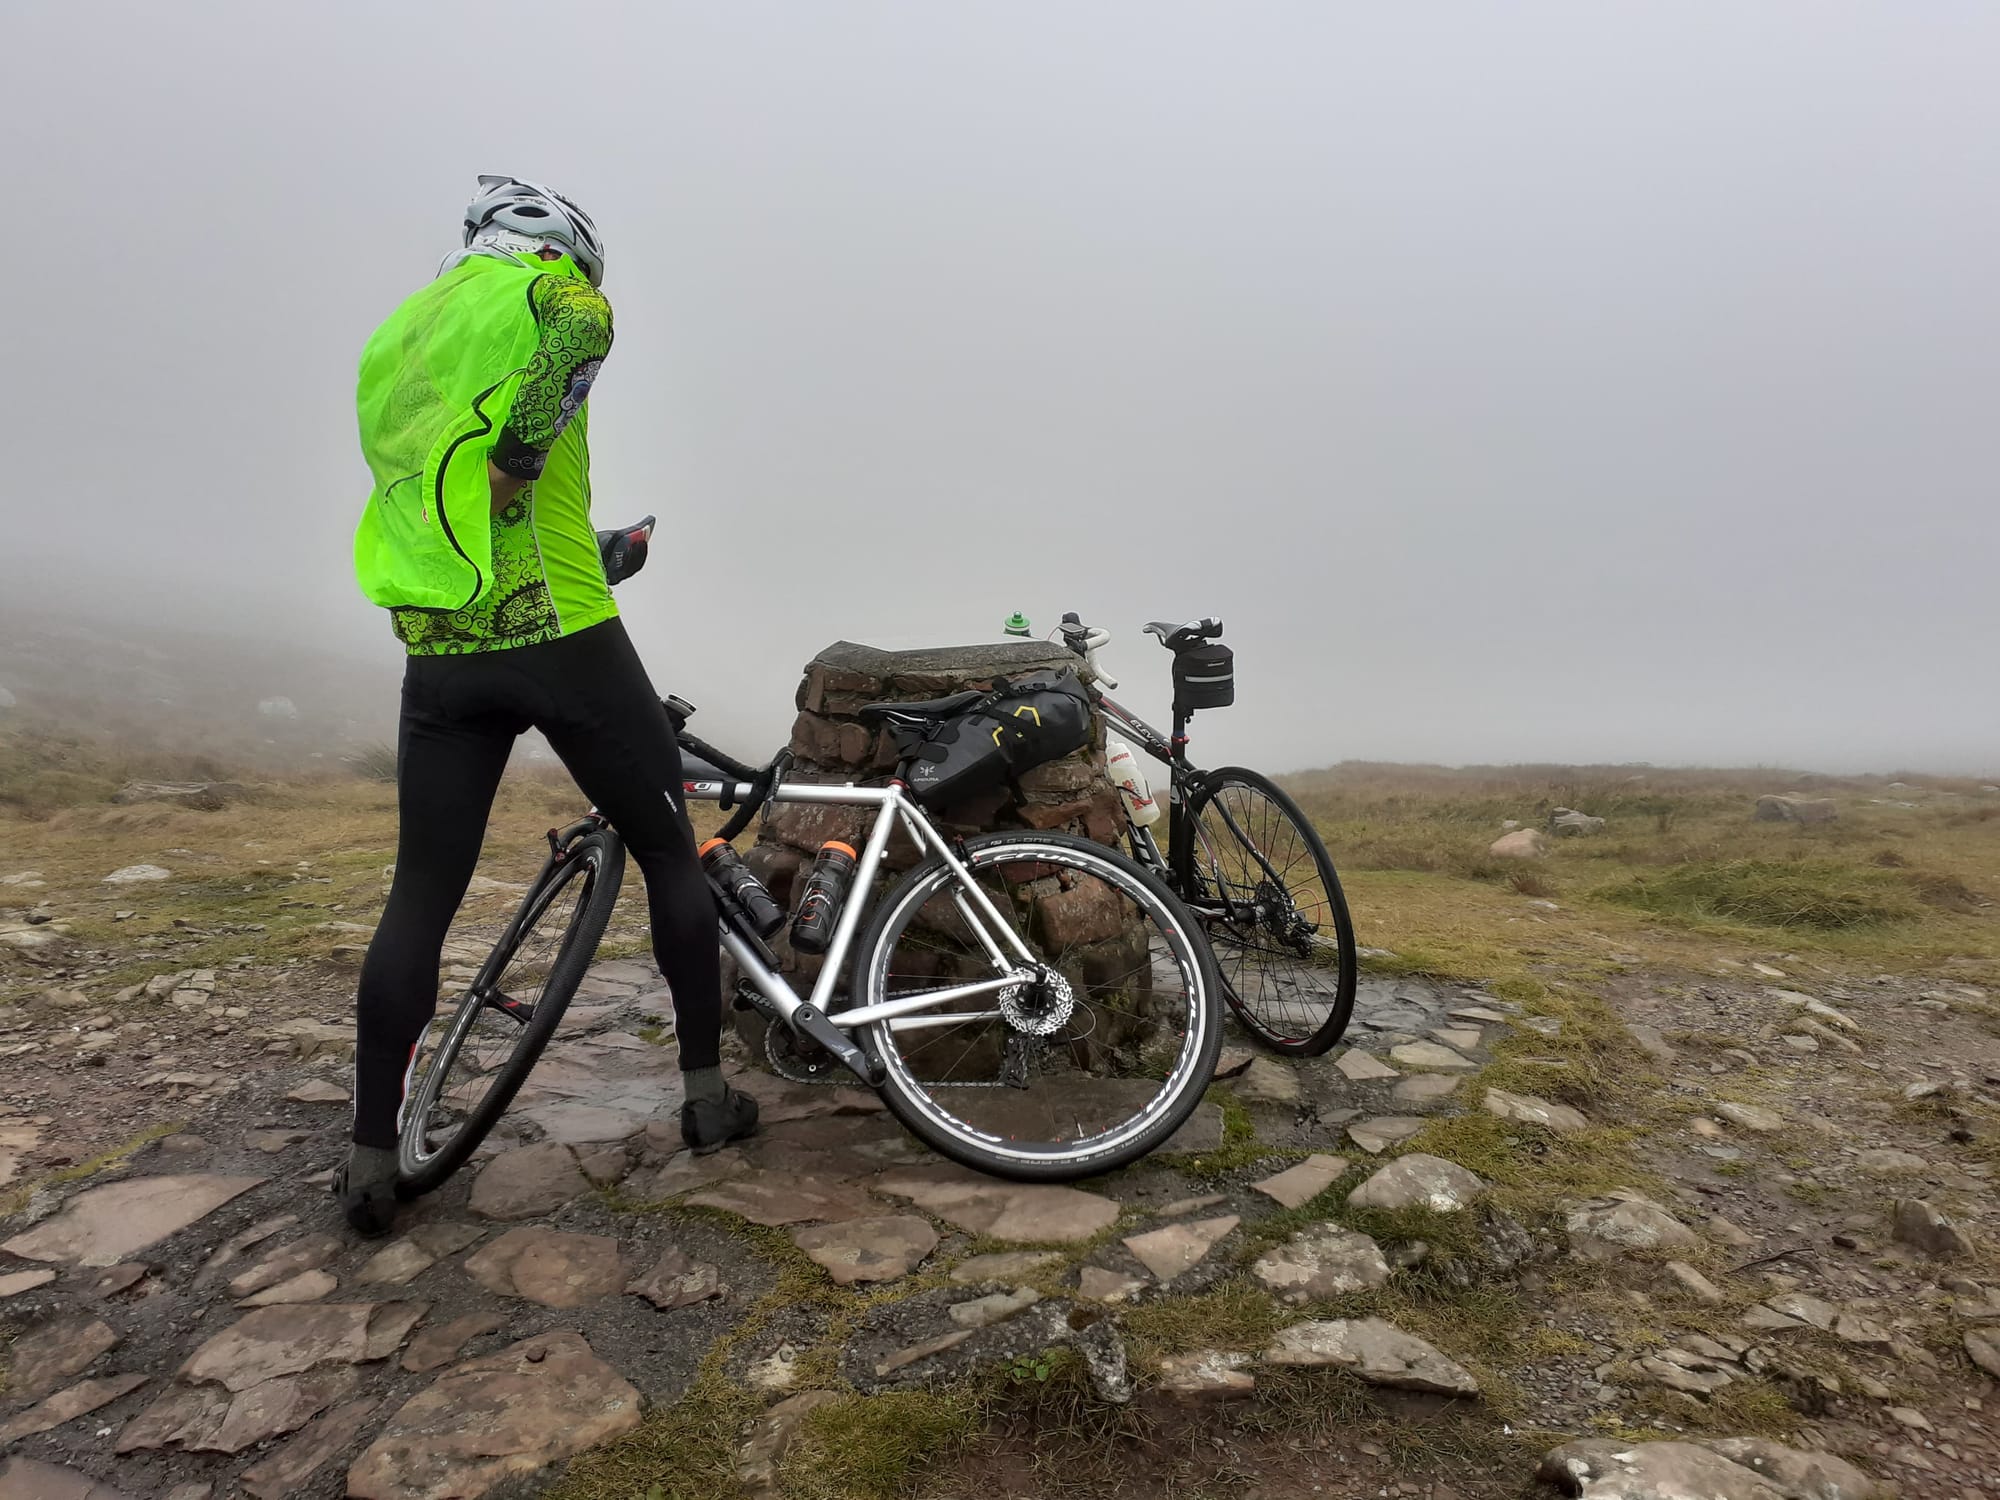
1017, 624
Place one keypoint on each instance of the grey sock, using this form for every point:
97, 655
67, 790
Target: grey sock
704, 1084
370, 1166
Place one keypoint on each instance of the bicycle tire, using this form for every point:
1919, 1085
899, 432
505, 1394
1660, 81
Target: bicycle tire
1195, 1067
598, 857
1304, 1033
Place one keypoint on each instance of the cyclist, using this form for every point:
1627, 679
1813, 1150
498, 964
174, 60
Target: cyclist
477, 538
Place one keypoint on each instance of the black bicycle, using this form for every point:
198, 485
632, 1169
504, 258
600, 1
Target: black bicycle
1240, 854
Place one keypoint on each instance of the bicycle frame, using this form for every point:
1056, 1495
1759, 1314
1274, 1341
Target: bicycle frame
1184, 780
893, 806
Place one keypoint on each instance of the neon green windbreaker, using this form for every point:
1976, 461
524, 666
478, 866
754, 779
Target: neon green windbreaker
491, 361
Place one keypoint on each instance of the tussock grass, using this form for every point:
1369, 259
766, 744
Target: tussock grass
1237, 1315
868, 1449
1817, 894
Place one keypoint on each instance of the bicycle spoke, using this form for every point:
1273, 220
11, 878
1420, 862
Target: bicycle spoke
1274, 921
1078, 1050
472, 1042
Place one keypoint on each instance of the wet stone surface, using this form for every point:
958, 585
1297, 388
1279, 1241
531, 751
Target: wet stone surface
530, 1286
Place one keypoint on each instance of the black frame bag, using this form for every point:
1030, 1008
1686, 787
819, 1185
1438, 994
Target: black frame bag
1013, 728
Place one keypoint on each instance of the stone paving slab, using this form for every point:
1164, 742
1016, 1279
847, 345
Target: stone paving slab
504, 1414
1022, 1212
103, 1225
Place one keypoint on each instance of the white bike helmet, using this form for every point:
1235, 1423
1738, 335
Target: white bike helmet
511, 214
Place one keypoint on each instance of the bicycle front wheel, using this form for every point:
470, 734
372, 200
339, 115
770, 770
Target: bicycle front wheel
1259, 879
1090, 1065
472, 1062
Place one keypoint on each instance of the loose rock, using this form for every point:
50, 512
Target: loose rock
1378, 1135
1008, 1265
1430, 1055
307, 1286
1526, 1109
274, 1341
436, 1347
290, 1466
1424, 1088
1324, 1260
1751, 1117
44, 1357
308, 1254
1267, 1081
1418, 1180
1096, 1284
1522, 843
868, 1249
67, 1405
1725, 1469
757, 1462
1918, 1224
1170, 1250
1207, 1374
778, 1198
1378, 1352
1696, 1283
995, 1307
1304, 1182
1982, 1347
1362, 1067
528, 1182
1625, 1221
1006, 1211
550, 1266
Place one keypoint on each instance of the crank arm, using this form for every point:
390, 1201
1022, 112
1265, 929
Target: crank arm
812, 1024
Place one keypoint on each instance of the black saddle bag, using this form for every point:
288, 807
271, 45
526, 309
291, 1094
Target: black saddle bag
1014, 728
1204, 677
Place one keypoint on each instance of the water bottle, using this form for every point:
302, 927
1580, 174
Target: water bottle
825, 894
725, 866
1130, 779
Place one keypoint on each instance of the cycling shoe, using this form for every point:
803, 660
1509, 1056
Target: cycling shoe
366, 1188
710, 1124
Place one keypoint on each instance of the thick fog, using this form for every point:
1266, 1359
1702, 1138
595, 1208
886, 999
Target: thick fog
1566, 381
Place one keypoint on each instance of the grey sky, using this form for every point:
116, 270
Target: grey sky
1559, 381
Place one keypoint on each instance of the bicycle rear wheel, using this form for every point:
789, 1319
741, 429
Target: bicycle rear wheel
1258, 877
472, 1062
1098, 1061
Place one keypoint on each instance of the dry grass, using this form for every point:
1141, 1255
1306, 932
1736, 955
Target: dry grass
1681, 874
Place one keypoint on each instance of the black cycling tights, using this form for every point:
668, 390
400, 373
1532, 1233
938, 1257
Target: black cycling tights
590, 696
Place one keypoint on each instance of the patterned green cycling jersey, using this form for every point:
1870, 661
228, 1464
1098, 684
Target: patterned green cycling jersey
547, 577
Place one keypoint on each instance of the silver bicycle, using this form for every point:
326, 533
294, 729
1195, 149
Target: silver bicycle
1033, 1005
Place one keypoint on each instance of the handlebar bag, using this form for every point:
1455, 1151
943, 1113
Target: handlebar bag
1204, 677
1014, 728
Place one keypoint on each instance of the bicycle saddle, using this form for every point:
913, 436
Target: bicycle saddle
918, 713
1174, 637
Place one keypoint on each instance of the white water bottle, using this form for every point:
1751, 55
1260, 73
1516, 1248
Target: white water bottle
1130, 779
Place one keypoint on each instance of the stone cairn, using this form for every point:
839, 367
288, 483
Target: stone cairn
829, 743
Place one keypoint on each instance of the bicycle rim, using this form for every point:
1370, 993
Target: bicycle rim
1273, 911
472, 1060
1094, 1063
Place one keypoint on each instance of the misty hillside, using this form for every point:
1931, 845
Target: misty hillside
239, 700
